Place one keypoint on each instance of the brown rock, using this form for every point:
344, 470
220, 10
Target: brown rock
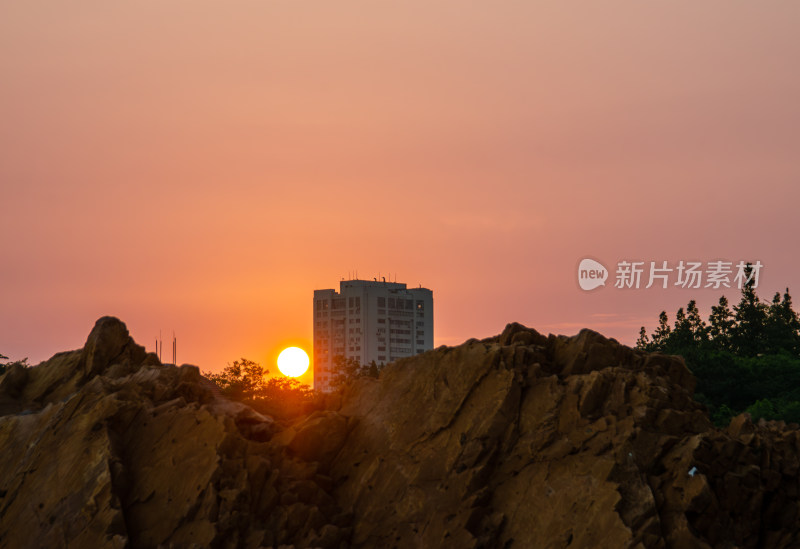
109, 343
318, 438
520, 440
526, 441
116, 450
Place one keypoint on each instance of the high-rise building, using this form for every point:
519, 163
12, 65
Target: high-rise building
369, 320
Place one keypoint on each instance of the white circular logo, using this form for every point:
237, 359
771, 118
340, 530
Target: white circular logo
591, 274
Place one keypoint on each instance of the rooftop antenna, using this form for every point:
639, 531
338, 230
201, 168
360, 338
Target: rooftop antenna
174, 349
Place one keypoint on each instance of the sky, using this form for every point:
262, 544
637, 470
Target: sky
201, 167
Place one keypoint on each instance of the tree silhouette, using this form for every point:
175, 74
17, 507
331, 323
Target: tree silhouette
750, 316
782, 326
242, 380
721, 324
349, 369
745, 360
644, 340
281, 397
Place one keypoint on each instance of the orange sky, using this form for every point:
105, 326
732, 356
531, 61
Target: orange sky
203, 167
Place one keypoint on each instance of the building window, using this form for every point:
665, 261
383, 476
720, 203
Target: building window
381, 302
420, 305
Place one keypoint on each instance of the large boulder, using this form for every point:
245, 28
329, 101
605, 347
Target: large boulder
521, 440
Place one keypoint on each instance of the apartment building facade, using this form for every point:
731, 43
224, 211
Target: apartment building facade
369, 321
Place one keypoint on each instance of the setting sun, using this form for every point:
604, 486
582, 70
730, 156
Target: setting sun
293, 361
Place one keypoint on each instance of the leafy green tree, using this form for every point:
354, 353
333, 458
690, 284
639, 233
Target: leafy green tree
782, 325
662, 333
281, 397
721, 324
285, 388
242, 380
643, 343
349, 369
681, 335
697, 326
763, 408
722, 415
745, 359
748, 334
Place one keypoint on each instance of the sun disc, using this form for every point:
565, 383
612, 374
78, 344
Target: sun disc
293, 362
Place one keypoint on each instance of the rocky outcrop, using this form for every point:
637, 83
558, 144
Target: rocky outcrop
531, 441
521, 440
108, 448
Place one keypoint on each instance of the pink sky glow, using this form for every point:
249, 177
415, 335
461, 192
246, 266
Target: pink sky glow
203, 167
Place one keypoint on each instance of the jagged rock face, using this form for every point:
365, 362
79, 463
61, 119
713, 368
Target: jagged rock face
516, 441
109, 448
531, 441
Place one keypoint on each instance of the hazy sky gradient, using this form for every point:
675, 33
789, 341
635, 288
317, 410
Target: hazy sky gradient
204, 166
